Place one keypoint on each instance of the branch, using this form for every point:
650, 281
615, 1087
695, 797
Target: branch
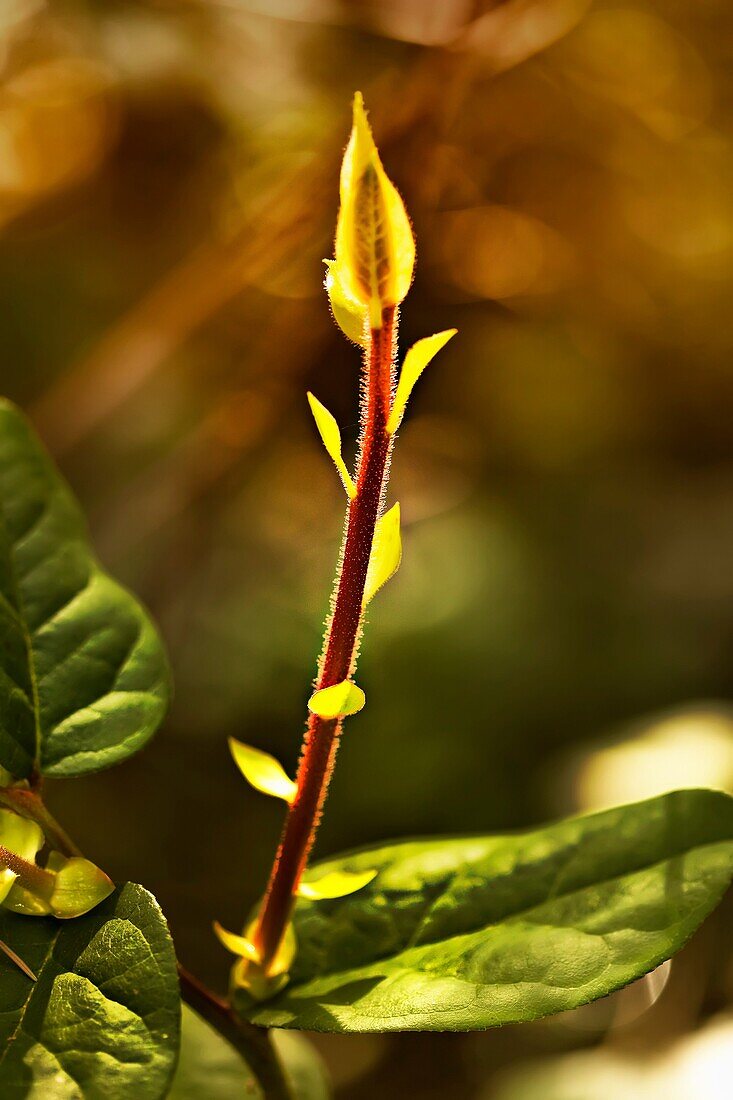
251, 1042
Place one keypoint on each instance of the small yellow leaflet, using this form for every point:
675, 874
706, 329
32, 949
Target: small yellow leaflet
248, 972
238, 945
262, 771
386, 552
337, 701
415, 363
336, 884
331, 436
348, 314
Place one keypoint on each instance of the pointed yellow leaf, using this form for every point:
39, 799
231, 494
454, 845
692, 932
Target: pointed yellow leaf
337, 701
375, 248
337, 884
331, 436
415, 363
238, 945
386, 552
262, 771
348, 314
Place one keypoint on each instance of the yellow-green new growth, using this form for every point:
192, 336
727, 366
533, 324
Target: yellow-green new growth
67, 887
366, 282
262, 771
336, 884
337, 701
375, 248
386, 552
23, 838
349, 315
415, 363
330, 434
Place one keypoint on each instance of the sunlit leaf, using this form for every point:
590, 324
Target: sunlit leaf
386, 552
337, 884
262, 771
349, 315
416, 360
479, 931
103, 1018
375, 248
337, 701
83, 676
331, 436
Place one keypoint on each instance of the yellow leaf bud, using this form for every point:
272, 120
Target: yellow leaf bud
375, 248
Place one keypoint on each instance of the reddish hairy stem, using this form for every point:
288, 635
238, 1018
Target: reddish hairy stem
29, 874
341, 645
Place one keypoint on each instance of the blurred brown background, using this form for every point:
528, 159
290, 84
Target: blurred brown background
560, 633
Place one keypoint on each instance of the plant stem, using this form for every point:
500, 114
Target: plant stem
29, 804
28, 874
253, 1043
341, 645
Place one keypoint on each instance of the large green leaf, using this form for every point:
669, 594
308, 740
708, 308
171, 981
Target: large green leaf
211, 1069
102, 1021
83, 676
481, 931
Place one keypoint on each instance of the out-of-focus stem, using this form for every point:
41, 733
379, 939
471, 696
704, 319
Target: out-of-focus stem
341, 645
253, 1043
30, 804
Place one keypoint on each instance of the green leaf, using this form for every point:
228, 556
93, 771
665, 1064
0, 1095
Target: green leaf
83, 676
471, 933
211, 1069
102, 1021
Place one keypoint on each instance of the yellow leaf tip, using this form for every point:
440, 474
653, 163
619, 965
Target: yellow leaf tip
359, 112
237, 945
